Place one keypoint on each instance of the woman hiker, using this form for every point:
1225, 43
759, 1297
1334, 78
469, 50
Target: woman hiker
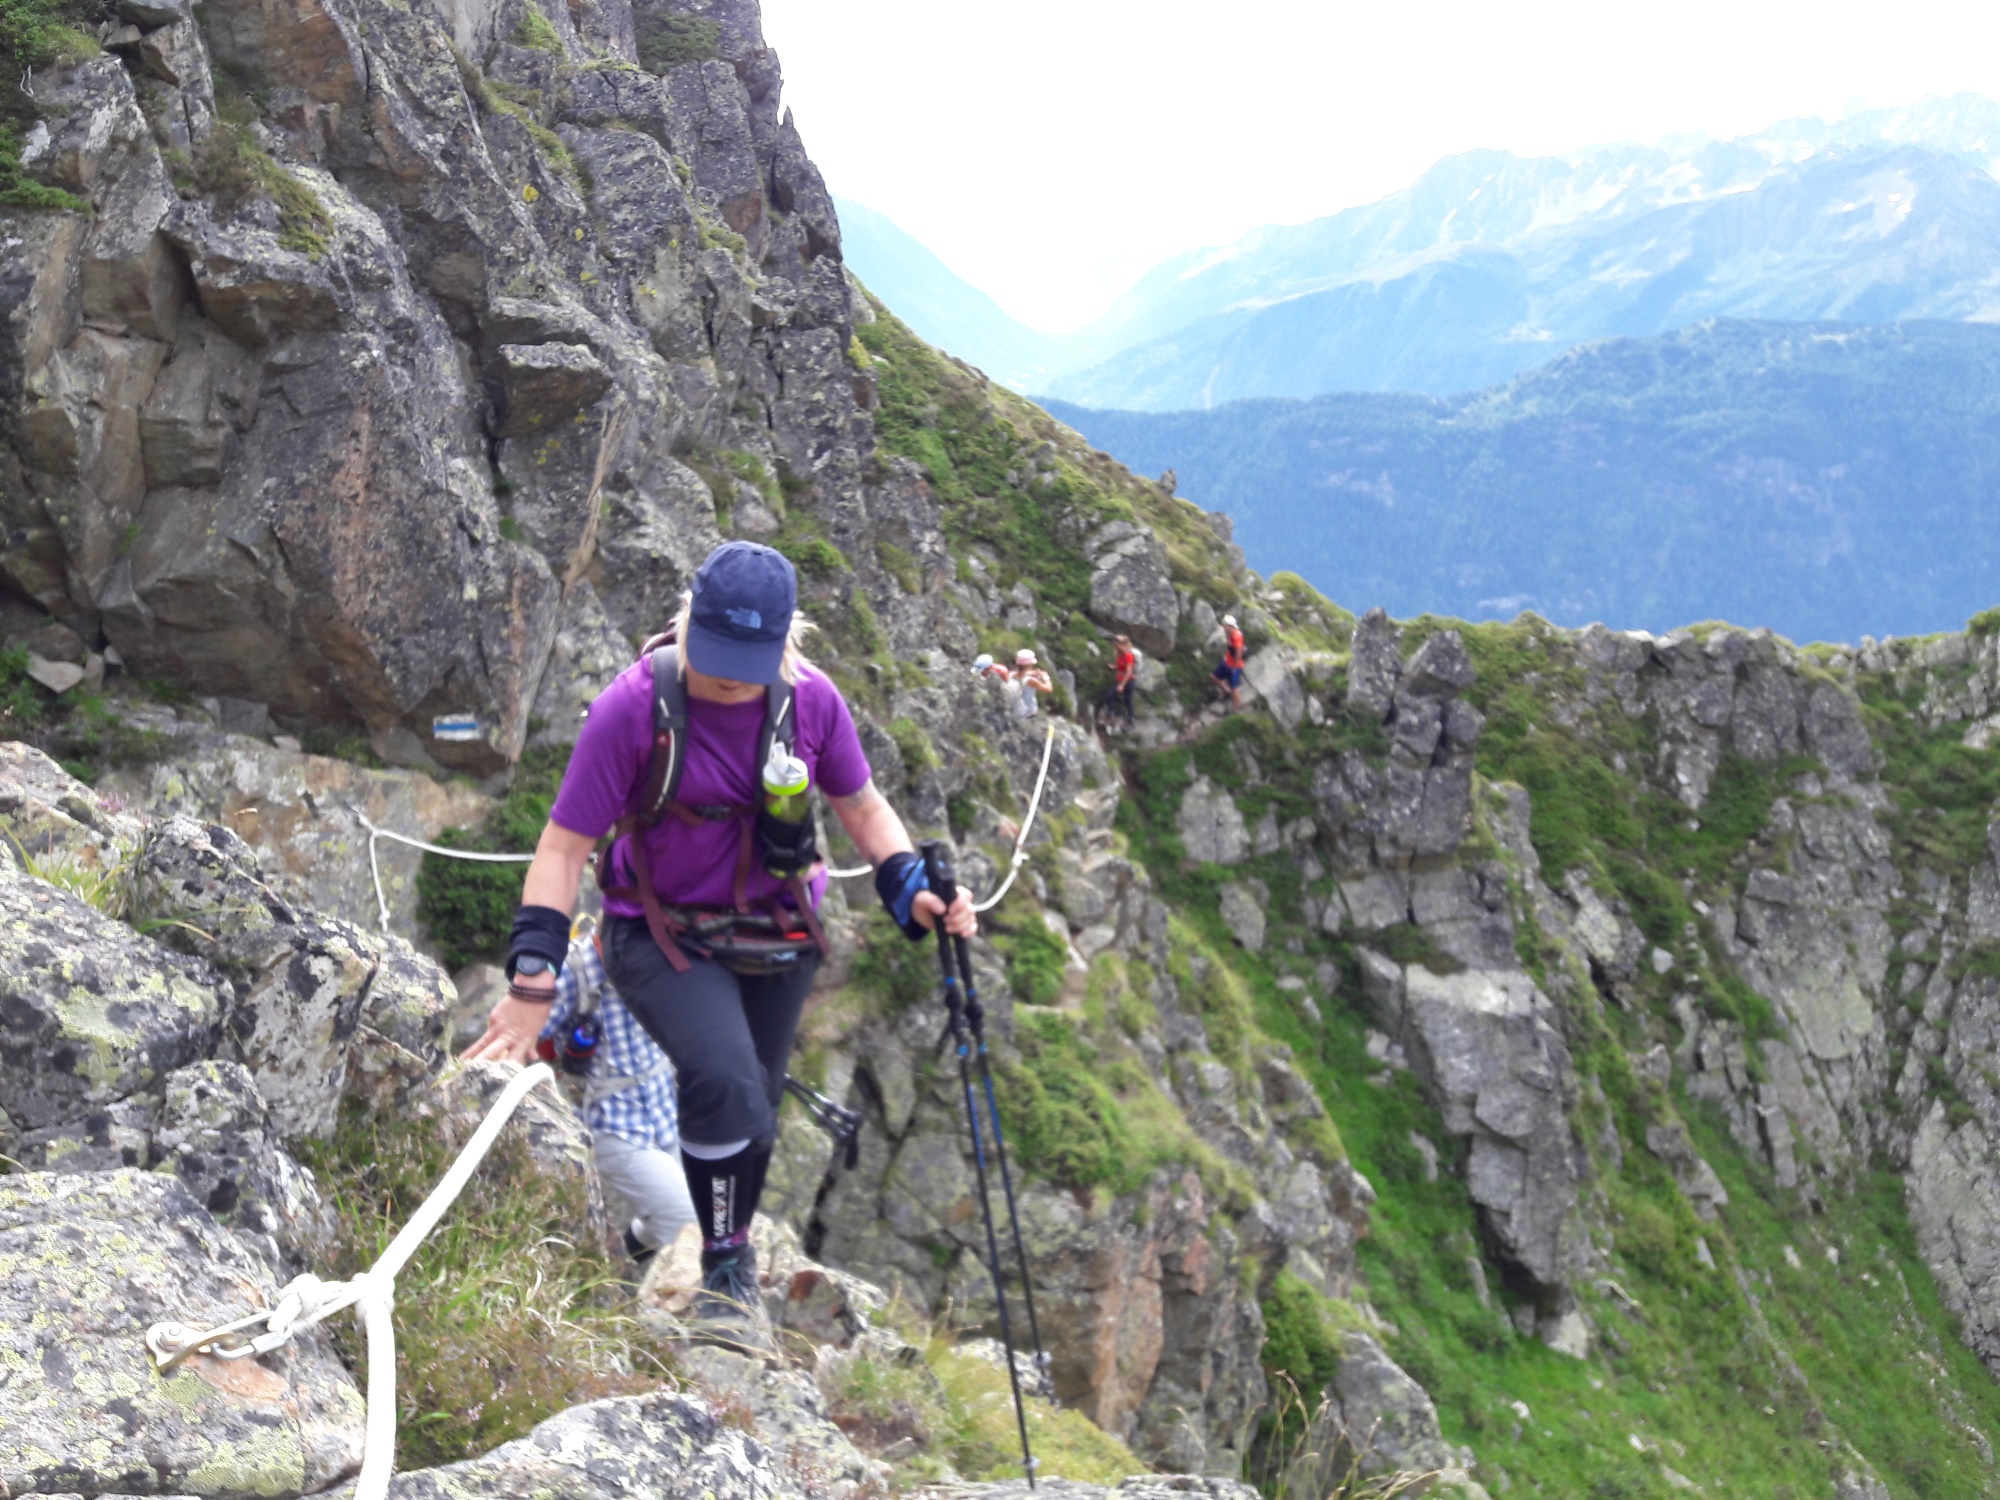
671, 949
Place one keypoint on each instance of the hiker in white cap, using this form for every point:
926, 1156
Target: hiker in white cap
1228, 673
1027, 680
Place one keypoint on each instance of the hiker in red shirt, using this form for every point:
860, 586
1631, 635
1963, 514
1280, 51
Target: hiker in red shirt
1124, 673
1228, 672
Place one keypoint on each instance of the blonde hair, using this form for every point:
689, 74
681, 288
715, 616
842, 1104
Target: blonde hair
795, 656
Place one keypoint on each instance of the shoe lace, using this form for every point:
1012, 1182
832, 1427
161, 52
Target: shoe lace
734, 1280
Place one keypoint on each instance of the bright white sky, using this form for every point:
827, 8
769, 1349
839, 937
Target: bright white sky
1051, 150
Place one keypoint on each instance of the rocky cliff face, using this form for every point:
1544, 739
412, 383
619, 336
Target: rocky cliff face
1554, 1059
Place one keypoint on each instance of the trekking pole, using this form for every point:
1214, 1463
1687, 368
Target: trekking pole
975, 1015
944, 884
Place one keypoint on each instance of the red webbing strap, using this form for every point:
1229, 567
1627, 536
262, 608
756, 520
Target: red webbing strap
648, 898
797, 886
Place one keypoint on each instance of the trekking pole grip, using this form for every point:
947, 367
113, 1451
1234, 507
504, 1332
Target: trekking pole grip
938, 873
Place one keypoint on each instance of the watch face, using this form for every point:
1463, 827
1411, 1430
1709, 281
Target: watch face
531, 965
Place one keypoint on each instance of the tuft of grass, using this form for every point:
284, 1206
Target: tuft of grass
668, 41
1036, 960
813, 556
985, 1443
509, 1313
535, 32
37, 34
233, 169
105, 885
1985, 623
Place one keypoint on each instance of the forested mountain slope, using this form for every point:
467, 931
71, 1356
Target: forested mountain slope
1828, 480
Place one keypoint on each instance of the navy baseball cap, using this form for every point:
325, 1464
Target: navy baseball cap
744, 596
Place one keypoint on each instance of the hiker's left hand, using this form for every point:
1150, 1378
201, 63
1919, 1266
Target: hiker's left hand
960, 921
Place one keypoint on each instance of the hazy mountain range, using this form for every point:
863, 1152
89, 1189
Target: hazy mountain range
1826, 480
1491, 263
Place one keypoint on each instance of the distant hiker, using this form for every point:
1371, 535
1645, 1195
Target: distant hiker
1027, 680
628, 1101
698, 759
1228, 672
984, 666
1124, 674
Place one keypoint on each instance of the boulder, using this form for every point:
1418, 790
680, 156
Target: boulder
1273, 673
298, 813
214, 1133
664, 1446
546, 383
312, 995
87, 1264
1374, 664
1131, 587
1243, 915
90, 1011
1490, 1051
1212, 830
46, 811
1376, 1420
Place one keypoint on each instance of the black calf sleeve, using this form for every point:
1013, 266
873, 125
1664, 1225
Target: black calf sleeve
726, 1191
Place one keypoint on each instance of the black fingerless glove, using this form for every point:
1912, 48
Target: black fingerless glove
897, 881
541, 931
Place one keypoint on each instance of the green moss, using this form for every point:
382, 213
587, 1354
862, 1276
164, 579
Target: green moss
749, 468
1036, 960
813, 556
665, 42
1084, 1114
890, 971
900, 566
467, 907
1985, 623
535, 32
1944, 790
913, 743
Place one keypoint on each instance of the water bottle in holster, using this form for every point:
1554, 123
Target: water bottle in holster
577, 1049
785, 836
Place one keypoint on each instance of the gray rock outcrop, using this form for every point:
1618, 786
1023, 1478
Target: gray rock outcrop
90, 1262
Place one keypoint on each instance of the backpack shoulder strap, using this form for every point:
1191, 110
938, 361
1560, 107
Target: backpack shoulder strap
670, 719
781, 725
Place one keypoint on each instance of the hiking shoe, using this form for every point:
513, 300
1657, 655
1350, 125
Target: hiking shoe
729, 1308
640, 1252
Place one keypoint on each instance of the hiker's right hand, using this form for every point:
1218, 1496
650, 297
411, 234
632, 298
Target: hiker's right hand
513, 1026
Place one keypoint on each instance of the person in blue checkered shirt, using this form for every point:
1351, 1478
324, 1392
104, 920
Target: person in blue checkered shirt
628, 1103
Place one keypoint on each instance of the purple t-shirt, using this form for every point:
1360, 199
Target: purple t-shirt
696, 866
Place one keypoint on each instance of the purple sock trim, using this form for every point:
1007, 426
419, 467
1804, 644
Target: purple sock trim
730, 1242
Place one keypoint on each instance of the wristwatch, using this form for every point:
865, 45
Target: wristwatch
530, 964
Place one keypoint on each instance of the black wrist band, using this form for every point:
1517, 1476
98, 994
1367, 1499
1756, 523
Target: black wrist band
541, 931
892, 879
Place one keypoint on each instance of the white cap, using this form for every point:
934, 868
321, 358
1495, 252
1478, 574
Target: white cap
1229, 619
982, 661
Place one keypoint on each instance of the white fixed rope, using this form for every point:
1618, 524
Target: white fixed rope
1018, 859
375, 865
307, 1300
